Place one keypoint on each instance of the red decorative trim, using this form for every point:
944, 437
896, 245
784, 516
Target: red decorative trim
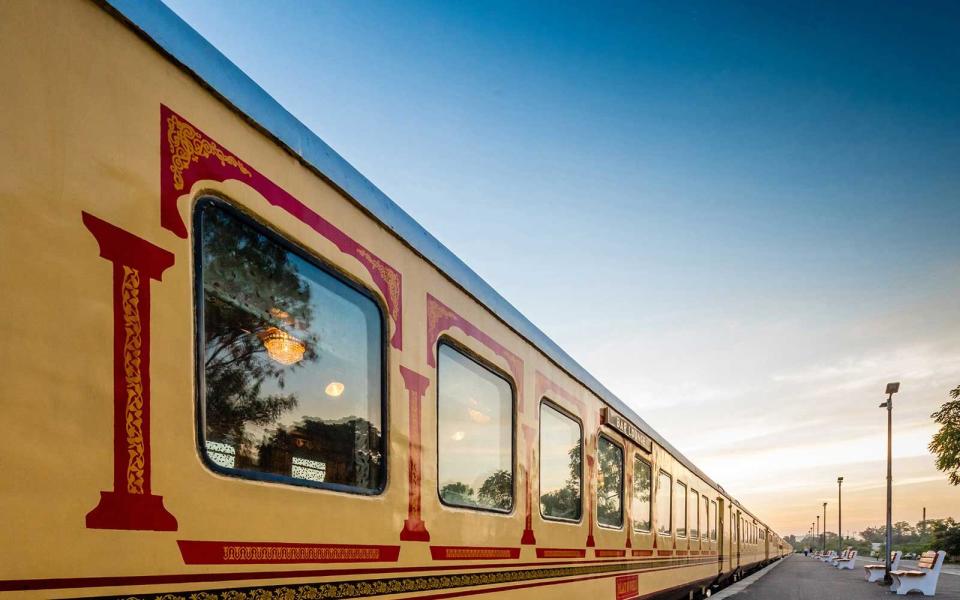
7, 585
528, 538
472, 553
414, 529
628, 586
664, 552
591, 542
130, 505
262, 553
681, 552
187, 155
546, 387
641, 552
440, 318
561, 553
609, 553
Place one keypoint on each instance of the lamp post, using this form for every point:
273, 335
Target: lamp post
892, 388
818, 528
839, 515
824, 525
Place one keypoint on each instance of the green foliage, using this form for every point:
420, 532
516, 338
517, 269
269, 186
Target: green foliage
934, 534
946, 442
497, 491
458, 493
565, 502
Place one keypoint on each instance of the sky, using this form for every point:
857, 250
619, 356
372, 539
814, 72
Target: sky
741, 217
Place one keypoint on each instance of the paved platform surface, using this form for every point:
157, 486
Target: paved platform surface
804, 578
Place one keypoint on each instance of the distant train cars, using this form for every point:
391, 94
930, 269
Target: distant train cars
234, 369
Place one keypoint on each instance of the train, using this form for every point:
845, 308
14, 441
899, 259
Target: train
235, 369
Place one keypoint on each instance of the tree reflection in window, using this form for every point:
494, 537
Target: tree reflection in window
609, 483
475, 431
560, 465
641, 507
664, 503
291, 361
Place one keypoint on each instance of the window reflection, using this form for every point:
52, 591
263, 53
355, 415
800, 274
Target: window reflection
609, 483
560, 464
705, 519
641, 505
680, 509
277, 331
695, 514
664, 502
475, 429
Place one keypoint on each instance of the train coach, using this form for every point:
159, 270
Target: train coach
235, 369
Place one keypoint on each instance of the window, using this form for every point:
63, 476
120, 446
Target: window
560, 464
609, 483
292, 361
475, 433
641, 508
695, 515
664, 503
705, 519
713, 523
680, 509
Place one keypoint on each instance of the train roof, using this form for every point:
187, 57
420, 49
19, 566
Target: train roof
162, 27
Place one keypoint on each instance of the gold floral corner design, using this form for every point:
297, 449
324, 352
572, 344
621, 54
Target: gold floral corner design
388, 274
132, 343
187, 146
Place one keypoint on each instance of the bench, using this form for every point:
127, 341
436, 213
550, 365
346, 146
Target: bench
828, 556
875, 572
848, 562
923, 578
843, 555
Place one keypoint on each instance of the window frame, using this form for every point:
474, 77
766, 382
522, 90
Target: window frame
686, 511
633, 525
715, 522
463, 349
669, 531
555, 406
695, 494
262, 226
623, 484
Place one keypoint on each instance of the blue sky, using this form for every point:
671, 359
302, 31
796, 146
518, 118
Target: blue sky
742, 217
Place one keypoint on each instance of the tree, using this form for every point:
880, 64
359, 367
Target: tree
250, 284
946, 536
565, 502
946, 442
497, 490
458, 493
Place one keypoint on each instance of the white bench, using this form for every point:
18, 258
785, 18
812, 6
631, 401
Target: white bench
923, 578
849, 562
876, 571
827, 557
833, 560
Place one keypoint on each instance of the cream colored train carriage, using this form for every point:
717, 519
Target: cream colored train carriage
233, 366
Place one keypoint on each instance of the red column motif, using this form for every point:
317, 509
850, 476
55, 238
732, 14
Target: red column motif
130, 505
590, 500
529, 436
414, 529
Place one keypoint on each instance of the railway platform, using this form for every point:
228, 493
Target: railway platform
803, 578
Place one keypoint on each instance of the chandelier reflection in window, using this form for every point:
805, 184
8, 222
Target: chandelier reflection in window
282, 347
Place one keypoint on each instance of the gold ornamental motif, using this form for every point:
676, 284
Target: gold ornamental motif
187, 145
400, 585
133, 414
389, 275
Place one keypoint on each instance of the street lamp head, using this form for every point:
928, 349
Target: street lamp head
840, 480
893, 388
